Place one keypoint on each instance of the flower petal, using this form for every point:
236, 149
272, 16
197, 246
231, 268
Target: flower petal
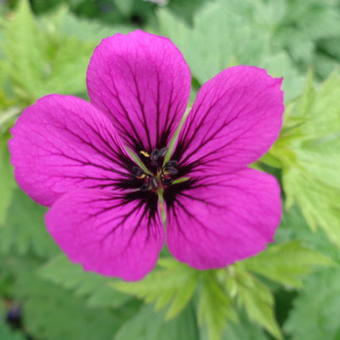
235, 119
142, 82
224, 220
106, 234
61, 143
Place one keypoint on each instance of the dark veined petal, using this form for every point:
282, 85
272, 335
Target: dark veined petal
142, 82
225, 219
235, 119
61, 143
106, 234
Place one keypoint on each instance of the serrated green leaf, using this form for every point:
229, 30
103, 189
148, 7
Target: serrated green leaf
287, 263
24, 229
95, 288
222, 25
316, 310
24, 50
309, 157
215, 307
243, 330
67, 25
148, 324
255, 297
53, 313
40, 54
172, 286
295, 227
214, 23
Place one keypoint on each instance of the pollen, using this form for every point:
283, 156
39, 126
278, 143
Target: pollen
144, 153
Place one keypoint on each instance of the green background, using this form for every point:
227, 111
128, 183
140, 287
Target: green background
291, 290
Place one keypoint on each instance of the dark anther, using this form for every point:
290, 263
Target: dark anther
137, 172
155, 154
171, 164
162, 152
171, 170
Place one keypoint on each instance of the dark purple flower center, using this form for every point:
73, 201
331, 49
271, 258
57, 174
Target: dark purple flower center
160, 175
146, 183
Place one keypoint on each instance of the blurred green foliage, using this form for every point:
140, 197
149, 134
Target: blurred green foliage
45, 46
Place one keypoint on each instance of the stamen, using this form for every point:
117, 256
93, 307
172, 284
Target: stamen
138, 172
163, 151
160, 176
171, 171
144, 153
155, 154
172, 163
171, 168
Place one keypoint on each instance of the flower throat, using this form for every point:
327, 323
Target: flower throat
159, 175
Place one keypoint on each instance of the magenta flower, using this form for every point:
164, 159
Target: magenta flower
105, 209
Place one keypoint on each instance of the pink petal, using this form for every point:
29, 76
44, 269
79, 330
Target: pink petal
142, 82
61, 143
105, 233
225, 219
235, 119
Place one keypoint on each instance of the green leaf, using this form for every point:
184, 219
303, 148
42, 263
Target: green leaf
24, 228
243, 330
255, 297
24, 50
95, 288
171, 286
287, 263
41, 54
308, 154
7, 334
53, 313
222, 25
316, 310
6, 180
148, 324
67, 25
215, 307
295, 227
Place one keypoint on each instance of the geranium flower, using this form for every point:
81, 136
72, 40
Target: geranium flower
105, 207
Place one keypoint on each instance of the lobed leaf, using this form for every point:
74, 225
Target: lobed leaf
215, 307
287, 263
95, 288
148, 324
307, 152
255, 297
24, 229
171, 286
316, 310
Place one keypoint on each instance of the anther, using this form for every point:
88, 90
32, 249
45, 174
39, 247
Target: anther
144, 153
162, 152
170, 170
137, 172
155, 154
171, 164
